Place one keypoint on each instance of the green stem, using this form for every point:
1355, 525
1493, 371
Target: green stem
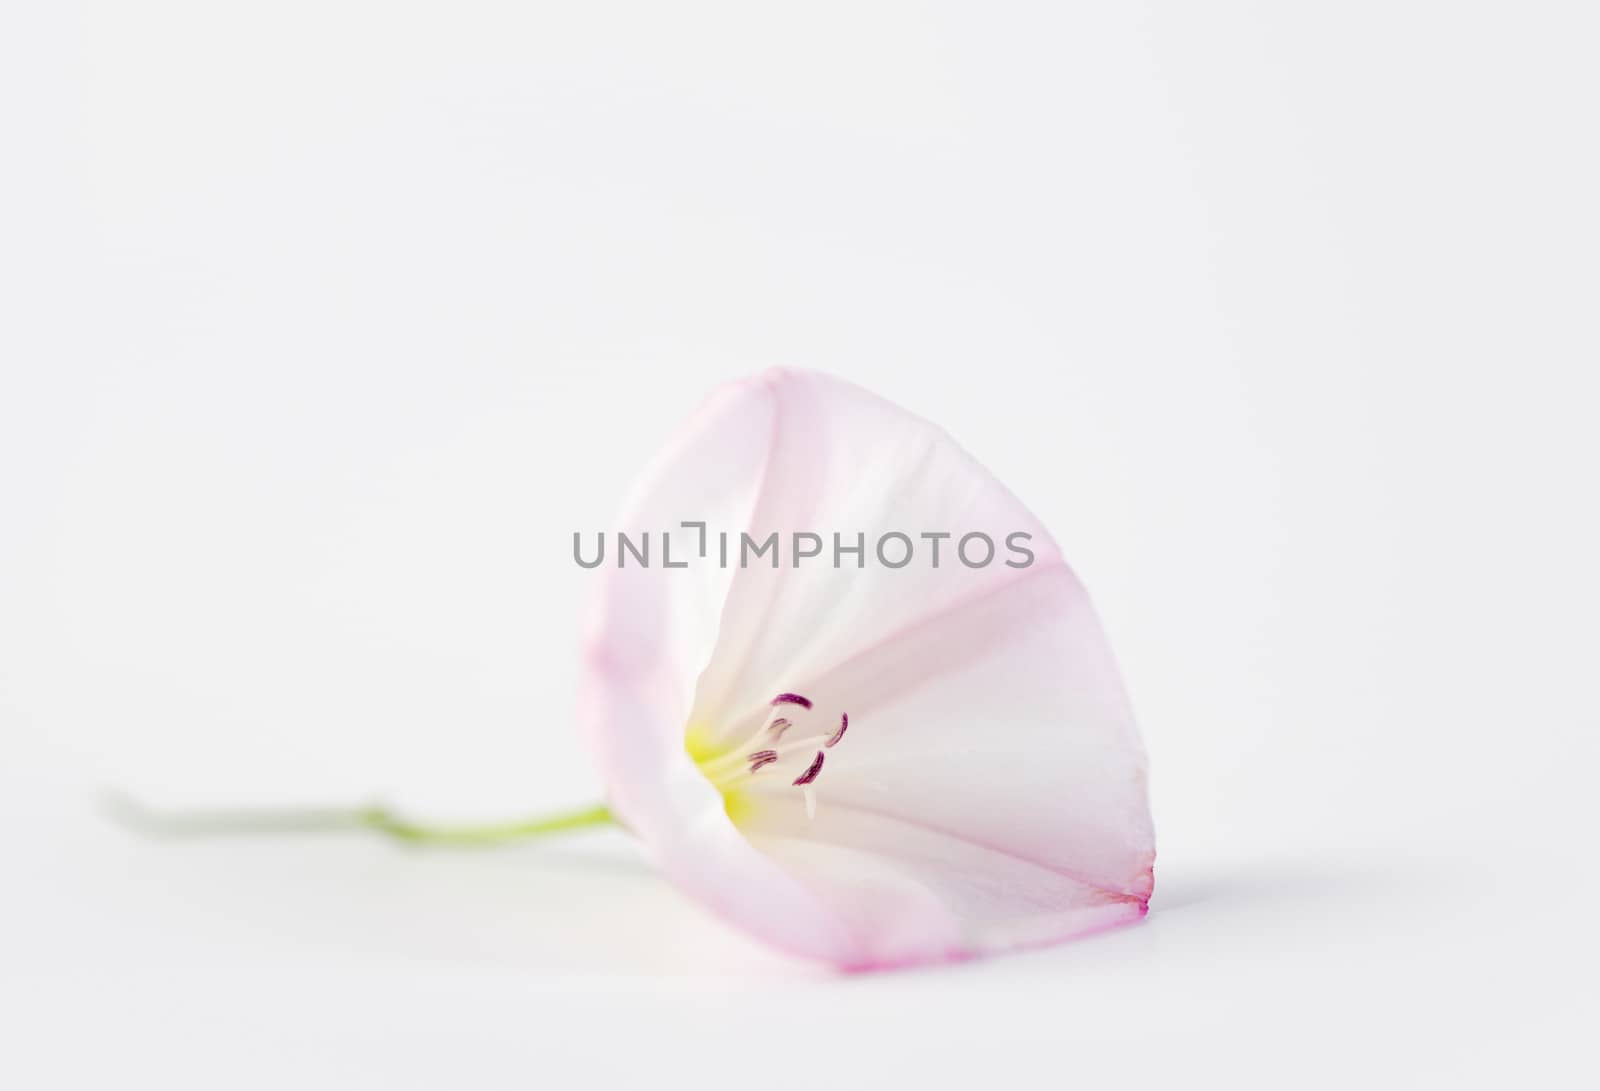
375, 819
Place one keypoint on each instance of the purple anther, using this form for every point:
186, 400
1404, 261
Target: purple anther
760, 758
844, 725
811, 773
792, 699
778, 727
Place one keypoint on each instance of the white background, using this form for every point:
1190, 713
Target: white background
323, 325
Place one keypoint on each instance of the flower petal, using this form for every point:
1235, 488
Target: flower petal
650, 632
1007, 784
843, 462
990, 792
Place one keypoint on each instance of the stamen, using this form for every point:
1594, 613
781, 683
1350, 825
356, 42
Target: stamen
762, 757
811, 803
778, 727
792, 699
844, 724
811, 773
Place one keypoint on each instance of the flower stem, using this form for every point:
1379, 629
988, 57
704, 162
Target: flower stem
380, 820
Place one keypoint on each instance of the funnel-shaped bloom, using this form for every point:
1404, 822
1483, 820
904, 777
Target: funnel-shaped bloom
862, 764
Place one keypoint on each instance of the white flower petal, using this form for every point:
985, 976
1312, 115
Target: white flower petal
990, 790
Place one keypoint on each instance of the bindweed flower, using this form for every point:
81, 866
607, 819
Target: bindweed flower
861, 761
883, 747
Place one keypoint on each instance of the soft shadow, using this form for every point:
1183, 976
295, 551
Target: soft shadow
1266, 882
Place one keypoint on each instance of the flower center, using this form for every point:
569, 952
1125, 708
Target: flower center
767, 756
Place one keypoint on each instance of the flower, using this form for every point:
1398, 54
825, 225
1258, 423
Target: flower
865, 765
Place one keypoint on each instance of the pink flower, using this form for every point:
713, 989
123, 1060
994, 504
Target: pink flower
865, 765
